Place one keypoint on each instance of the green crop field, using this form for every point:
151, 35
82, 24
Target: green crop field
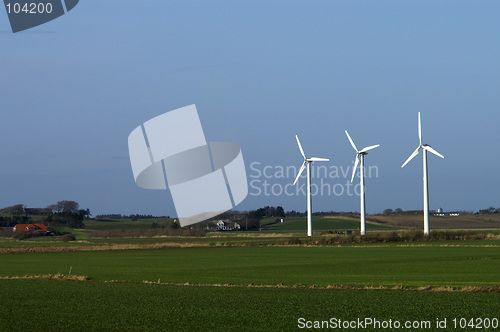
250, 288
45, 305
411, 266
267, 221
176, 289
321, 224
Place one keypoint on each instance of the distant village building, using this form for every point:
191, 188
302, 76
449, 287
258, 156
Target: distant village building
30, 228
227, 226
220, 224
441, 213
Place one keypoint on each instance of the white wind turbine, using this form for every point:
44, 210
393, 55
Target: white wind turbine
426, 148
307, 162
360, 156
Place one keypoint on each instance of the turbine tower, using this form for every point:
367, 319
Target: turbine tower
426, 148
307, 162
360, 157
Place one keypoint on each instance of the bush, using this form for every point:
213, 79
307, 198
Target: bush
294, 240
22, 236
328, 240
68, 238
174, 225
19, 235
411, 235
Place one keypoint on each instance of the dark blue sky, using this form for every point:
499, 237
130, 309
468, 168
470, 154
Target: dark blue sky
259, 72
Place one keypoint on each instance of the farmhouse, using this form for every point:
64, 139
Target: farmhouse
223, 226
441, 213
227, 226
30, 228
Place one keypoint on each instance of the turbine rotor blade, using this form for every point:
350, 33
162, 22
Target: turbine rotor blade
355, 167
419, 129
352, 143
411, 157
431, 150
300, 172
369, 148
317, 159
300, 147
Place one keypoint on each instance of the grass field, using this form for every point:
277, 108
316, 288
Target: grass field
244, 281
117, 298
267, 221
97, 306
319, 266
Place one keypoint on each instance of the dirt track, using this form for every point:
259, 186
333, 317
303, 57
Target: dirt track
447, 222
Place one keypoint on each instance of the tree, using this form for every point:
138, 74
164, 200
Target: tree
16, 210
280, 212
251, 223
67, 213
489, 210
175, 224
64, 207
388, 212
294, 213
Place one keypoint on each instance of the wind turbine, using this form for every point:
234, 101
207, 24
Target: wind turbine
360, 156
307, 162
426, 148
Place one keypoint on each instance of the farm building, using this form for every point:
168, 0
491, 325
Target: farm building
30, 228
441, 213
227, 226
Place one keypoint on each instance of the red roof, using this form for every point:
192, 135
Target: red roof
30, 227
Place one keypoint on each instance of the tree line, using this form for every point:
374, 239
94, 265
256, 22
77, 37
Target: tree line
131, 216
62, 213
490, 210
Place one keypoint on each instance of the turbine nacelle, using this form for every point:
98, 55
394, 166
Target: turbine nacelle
363, 152
426, 147
306, 160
